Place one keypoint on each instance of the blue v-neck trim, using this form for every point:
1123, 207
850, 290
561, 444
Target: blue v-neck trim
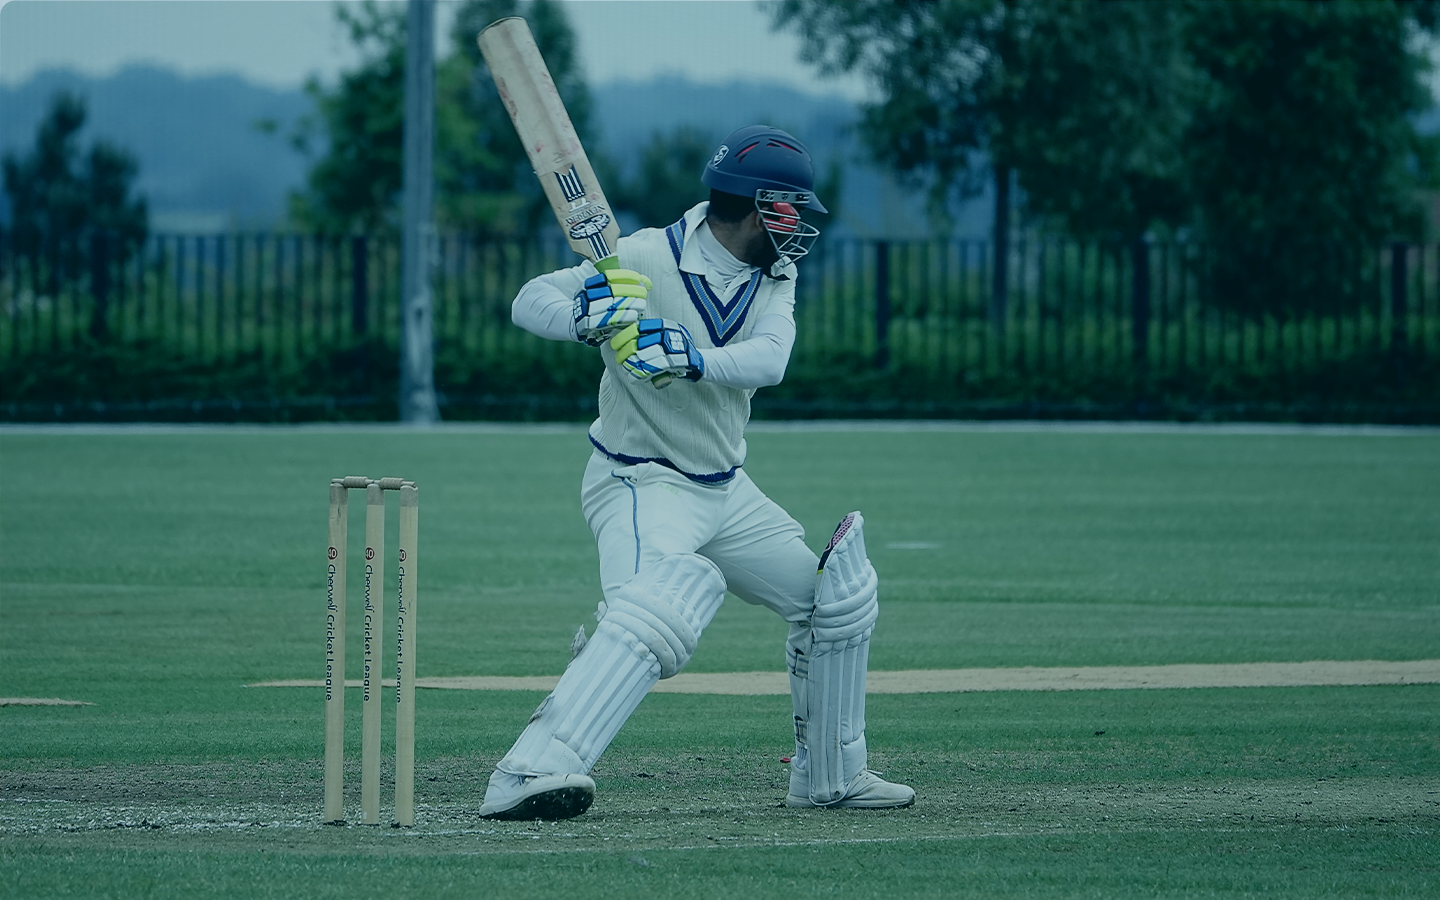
722, 320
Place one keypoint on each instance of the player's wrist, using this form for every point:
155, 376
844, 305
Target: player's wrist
696, 368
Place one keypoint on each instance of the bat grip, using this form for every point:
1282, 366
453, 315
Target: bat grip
607, 263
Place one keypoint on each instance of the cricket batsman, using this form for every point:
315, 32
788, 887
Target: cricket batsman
694, 320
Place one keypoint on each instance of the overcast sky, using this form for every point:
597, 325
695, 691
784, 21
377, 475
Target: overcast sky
279, 42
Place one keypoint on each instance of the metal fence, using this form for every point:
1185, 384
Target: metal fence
1064, 306
878, 322
214, 298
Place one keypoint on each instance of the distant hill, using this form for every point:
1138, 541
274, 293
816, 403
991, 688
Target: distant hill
200, 154
628, 114
204, 165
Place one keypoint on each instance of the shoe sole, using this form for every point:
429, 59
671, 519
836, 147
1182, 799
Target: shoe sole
795, 802
561, 803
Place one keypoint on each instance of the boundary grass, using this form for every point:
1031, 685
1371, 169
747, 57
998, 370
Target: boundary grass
154, 574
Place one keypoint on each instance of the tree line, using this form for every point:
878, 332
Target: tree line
484, 185
1281, 134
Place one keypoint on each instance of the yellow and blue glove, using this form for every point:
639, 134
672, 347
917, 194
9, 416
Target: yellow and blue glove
658, 350
607, 303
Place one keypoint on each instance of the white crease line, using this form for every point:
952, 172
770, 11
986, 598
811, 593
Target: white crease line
1316, 673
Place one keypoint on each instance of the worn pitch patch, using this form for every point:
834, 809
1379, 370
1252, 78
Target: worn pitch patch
41, 701
944, 681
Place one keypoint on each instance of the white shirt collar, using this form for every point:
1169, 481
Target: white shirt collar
690, 258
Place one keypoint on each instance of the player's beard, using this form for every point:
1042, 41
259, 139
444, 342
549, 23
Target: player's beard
760, 251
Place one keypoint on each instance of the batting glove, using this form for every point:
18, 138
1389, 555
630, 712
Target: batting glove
658, 349
607, 302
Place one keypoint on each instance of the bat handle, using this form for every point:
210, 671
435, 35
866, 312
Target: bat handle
662, 380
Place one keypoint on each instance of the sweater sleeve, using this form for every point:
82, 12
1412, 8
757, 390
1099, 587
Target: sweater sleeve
545, 305
757, 362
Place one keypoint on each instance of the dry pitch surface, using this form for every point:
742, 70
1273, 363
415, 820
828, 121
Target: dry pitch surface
661, 802
653, 802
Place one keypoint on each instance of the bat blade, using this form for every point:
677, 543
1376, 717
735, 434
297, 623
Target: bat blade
555, 151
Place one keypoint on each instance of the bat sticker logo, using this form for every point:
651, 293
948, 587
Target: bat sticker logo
334, 553
571, 186
369, 552
587, 227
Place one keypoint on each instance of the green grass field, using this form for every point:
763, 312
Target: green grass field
156, 574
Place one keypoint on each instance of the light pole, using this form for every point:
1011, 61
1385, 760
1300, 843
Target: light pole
417, 342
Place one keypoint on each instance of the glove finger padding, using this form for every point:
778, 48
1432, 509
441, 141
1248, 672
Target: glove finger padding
658, 347
628, 278
607, 302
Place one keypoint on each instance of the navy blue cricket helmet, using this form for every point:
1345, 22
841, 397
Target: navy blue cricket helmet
773, 169
761, 158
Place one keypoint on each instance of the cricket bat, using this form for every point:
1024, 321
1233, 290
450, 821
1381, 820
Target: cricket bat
550, 141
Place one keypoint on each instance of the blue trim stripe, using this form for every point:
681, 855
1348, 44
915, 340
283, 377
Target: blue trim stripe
676, 234
713, 478
722, 320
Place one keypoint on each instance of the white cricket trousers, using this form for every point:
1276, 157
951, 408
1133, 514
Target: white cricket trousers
641, 513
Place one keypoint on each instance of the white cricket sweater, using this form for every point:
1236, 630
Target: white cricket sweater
697, 428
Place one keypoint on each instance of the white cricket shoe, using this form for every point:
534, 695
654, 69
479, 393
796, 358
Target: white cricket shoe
546, 797
867, 791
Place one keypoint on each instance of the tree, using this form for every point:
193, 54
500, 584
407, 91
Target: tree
1085, 100
948, 79
1097, 123
1302, 155
487, 182
68, 205
483, 180
1279, 132
668, 180
939, 75
355, 185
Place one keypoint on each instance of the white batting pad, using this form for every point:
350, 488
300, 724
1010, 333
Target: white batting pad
667, 605
836, 729
847, 590
664, 608
827, 667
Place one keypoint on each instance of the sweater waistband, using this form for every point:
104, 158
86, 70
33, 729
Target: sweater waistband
710, 478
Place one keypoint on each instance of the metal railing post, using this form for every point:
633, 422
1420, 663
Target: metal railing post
99, 285
882, 304
359, 286
1140, 305
1399, 283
